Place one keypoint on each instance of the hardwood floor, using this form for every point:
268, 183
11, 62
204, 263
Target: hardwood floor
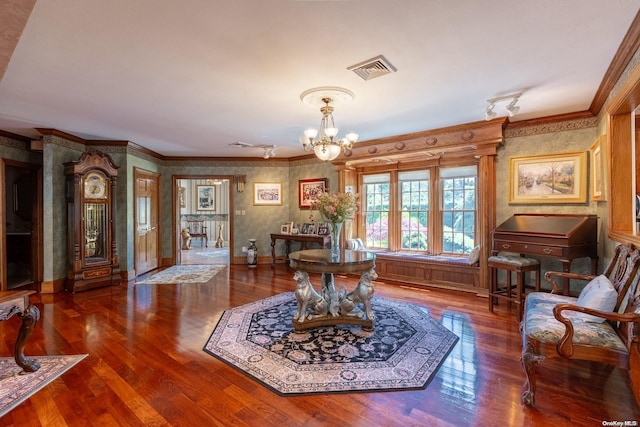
146, 365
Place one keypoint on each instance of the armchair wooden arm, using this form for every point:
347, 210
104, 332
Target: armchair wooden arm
564, 275
565, 345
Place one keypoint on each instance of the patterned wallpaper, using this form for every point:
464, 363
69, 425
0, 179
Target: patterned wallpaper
534, 143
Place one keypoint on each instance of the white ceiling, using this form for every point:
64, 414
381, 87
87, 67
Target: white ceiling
190, 77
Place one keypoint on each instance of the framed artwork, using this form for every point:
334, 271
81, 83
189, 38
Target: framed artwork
554, 178
182, 195
309, 190
597, 169
284, 229
308, 228
323, 229
267, 193
206, 197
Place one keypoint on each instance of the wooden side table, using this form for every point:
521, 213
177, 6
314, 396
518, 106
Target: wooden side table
17, 302
304, 239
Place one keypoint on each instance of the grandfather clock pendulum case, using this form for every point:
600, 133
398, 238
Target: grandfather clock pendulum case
91, 212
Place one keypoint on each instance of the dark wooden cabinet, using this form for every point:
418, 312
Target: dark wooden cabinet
91, 213
562, 237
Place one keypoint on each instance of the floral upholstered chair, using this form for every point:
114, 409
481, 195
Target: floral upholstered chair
602, 324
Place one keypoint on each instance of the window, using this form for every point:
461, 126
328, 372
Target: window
376, 210
432, 210
414, 210
458, 208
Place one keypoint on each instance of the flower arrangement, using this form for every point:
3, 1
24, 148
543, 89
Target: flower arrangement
336, 207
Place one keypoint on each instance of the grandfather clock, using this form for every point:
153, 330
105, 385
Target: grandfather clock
91, 217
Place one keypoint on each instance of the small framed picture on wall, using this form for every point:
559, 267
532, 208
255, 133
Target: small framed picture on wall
267, 193
206, 197
309, 190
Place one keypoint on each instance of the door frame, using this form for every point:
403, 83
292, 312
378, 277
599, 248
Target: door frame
175, 209
37, 251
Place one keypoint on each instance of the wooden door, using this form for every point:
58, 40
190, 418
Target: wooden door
147, 243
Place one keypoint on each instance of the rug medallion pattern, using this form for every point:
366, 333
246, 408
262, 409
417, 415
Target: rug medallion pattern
403, 352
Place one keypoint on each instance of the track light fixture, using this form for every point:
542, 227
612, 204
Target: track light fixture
269, 151
512, 108
490, 114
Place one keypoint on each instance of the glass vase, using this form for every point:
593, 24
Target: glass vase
334, 232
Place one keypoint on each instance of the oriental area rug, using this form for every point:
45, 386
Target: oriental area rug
16, 386
403, 352
183, 274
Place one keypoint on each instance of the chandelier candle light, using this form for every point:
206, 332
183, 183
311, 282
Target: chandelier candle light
336, 208
324, 141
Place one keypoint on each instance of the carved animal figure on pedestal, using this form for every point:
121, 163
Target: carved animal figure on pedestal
361, 294
219, 242
186, 238
307, 297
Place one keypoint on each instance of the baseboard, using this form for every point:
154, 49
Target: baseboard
51, 287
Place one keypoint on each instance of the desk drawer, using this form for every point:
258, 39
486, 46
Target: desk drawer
528, 248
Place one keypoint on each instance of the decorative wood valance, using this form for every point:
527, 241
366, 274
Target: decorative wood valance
471, 139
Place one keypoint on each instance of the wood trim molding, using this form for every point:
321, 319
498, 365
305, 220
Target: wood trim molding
629, 46
14, 136
52, 286
476, 138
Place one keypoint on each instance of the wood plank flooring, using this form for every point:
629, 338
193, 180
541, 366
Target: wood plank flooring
146, 366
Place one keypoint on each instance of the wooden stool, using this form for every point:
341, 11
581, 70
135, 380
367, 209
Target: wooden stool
510, 264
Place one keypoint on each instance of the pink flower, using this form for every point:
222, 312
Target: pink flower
336, 207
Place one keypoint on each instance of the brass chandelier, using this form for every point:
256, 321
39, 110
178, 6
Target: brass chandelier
324, 141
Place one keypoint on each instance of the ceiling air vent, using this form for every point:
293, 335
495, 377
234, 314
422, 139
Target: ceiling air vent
372, 68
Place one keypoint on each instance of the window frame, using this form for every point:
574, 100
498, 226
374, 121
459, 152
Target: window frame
435, 214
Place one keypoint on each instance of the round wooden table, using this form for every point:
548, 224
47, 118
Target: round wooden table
331, 307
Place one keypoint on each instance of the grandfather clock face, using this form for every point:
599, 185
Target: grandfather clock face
95, 186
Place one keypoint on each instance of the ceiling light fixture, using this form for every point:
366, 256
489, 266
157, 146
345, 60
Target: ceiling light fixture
269, 151
324, 141
490, 114
512, 108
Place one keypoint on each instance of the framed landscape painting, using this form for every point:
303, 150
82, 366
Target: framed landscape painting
309, 190
554, 178
267, 193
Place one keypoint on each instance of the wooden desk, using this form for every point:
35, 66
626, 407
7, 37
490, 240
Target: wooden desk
304, 239
17, 302
557, 236
330, 307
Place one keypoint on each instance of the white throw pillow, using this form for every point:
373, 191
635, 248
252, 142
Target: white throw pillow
474, 256
598, 294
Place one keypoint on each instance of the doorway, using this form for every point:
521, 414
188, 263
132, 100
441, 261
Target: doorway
21, 245
204, 224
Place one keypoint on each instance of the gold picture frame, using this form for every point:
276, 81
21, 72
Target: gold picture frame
182, 194
598, 169
543, 179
